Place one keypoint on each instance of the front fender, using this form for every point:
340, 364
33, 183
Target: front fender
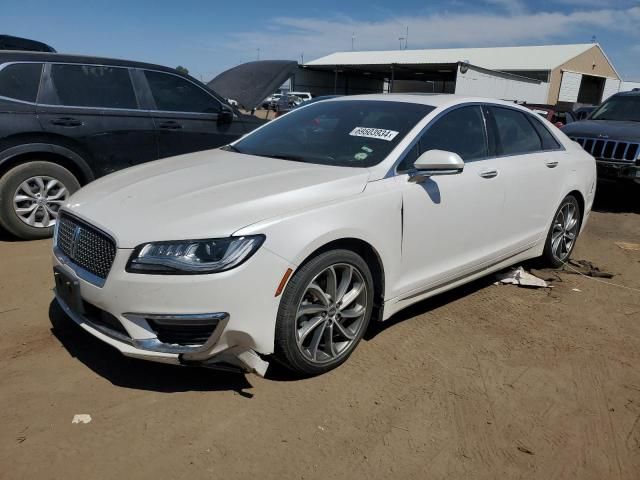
374, 216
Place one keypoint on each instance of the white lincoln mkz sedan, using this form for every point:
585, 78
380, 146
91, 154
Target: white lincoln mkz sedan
285, 244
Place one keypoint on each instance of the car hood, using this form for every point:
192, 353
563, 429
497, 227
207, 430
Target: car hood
206, 195
626, 131
250, 83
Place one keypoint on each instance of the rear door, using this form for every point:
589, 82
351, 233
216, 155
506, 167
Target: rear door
532, 164
187, 117
94, 110
19, 84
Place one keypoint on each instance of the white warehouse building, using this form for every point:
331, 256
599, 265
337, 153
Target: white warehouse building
548, 74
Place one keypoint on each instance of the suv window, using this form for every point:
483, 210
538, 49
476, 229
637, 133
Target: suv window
174, 94
92, 86
20, 81
515, 134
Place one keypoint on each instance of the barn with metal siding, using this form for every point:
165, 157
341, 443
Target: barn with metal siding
535, 74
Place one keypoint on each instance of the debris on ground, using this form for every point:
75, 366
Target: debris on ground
525, 450
585, 267
81, 418
628, 246
576, 290
518, 276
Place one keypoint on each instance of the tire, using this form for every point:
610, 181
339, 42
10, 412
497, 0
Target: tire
298, 333
562, 237
44, 185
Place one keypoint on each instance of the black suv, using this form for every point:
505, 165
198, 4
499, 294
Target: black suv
612, 135
66, 120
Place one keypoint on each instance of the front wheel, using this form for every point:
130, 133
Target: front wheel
31, 195
563, 233
324, 312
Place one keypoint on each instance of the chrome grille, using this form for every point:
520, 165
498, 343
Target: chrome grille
85, 246
609, 149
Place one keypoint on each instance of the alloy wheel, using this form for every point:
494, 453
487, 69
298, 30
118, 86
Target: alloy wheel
331, 314
38, 199
564, 232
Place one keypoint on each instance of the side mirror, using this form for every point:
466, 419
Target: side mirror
436, 162
225, 115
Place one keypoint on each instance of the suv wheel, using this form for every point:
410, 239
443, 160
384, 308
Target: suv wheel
31, 195
324, 312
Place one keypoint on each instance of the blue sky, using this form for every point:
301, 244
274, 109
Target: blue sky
207, 38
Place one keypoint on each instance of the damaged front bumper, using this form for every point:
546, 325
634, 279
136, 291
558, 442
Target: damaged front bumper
101, 326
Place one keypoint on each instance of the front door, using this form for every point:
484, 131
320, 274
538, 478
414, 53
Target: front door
94, 109
451, 223
187, 117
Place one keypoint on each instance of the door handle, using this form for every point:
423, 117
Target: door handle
66, 122
551, 163
489, 173
170, 125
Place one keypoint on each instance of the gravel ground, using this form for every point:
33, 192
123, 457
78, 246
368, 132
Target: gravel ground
483, 382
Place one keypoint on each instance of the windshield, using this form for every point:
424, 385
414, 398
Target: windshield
622, 108
353, 133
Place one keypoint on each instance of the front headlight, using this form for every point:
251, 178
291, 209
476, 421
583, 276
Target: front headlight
193, 256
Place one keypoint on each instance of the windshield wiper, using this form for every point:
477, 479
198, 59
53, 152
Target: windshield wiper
293, 158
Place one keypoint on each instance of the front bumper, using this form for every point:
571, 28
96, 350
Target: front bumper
618, 170
243, 297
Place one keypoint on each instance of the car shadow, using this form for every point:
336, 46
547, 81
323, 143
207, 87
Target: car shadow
128, 372
5, 236
617, 198
425, 306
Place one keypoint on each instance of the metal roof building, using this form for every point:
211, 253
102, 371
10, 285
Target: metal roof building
579, 73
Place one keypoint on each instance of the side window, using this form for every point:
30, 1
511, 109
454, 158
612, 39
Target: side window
92, 86
460, 131
174, 94
20, 81
549, 142
515, 133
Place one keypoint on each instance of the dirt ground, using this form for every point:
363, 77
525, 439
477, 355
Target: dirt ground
485, 382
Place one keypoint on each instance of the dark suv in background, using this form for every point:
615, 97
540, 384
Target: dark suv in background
612, 135
66, 120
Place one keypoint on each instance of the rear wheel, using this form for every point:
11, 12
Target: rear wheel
31, 196
563, 233
324, 312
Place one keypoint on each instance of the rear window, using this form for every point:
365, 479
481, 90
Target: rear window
20, 81
92, 86
549, 142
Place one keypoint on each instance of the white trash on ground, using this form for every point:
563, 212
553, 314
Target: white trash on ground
81, 418
518, 276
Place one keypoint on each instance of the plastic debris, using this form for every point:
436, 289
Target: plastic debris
518, 276
576, 290
81, 418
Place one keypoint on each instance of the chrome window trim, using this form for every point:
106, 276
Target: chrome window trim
393, 171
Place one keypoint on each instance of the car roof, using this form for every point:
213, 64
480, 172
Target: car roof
436, 100
21, 56
632, 93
